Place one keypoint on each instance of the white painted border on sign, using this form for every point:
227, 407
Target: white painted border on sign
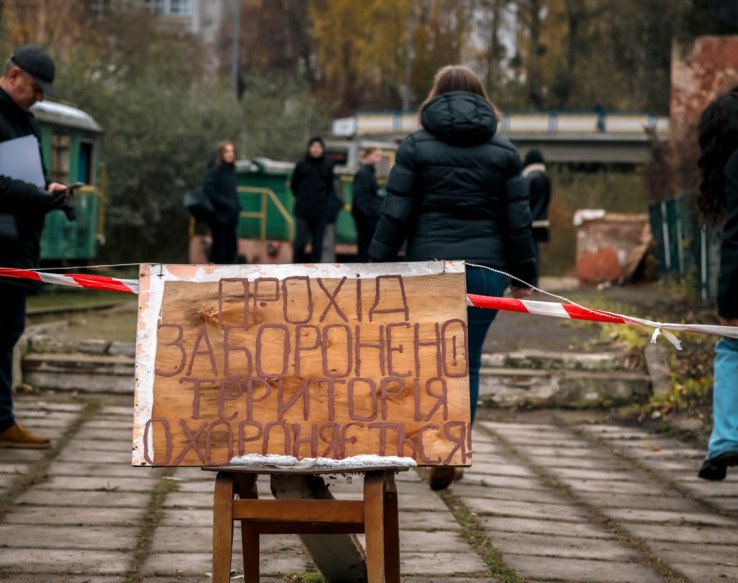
153, 277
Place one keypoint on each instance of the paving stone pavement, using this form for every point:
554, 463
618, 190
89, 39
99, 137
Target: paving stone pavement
556, 501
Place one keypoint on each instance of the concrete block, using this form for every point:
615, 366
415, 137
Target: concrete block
657, 364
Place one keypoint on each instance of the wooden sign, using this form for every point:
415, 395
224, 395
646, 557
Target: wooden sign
309, 361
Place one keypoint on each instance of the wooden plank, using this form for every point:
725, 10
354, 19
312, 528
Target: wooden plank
306, 361
315, 511
311, 471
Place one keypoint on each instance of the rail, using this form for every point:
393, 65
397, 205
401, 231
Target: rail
267, 195
545, 122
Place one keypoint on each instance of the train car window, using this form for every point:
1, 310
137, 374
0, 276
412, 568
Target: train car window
60, 158
84, 166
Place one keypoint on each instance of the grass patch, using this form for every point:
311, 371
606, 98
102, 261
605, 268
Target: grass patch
151, 519
61, 297
473, 533
304, 578
37, 473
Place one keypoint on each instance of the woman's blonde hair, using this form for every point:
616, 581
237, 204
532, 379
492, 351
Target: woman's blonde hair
455, 78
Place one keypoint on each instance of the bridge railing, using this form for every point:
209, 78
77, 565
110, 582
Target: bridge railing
515, 123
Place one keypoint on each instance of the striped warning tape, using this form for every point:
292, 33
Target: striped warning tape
99, 282
577, 312
557, 310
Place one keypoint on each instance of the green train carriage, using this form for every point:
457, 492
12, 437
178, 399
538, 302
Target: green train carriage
71, 141
266, 227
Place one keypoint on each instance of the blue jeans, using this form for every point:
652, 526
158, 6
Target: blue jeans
724, 435
484, 283
12, 324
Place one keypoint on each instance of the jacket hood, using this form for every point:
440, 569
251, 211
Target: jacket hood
459, 118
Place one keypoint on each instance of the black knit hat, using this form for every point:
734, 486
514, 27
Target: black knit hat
533, 157
314, 139
36, 62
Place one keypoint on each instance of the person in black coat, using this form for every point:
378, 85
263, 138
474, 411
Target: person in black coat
312, 185
366, 203
539, 189
718, 203
220, 187
28, 75
456, 192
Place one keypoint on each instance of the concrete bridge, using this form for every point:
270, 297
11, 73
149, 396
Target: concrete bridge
562, 136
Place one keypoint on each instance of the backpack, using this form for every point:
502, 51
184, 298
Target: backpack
198, 204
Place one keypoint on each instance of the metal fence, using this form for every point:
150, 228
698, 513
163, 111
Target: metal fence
685, 248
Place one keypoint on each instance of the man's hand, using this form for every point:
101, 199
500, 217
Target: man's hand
520, 292
58, 191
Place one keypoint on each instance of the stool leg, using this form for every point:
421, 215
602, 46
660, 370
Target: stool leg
222, 527
374, 526
391, 530
246, 488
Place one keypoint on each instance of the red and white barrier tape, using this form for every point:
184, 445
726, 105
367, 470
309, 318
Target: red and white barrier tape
577, 312
557, 310
99, 282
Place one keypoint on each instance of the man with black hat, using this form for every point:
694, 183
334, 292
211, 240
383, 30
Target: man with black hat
312, 185
28, 76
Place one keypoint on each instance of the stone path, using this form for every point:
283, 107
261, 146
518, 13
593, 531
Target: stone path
555, 501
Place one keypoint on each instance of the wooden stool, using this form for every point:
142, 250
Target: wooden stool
236, 498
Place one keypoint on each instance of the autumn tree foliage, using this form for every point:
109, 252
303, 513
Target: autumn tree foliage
61, 24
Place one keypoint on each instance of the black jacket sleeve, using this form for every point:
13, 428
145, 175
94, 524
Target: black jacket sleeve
727, 299
520, 248
19, 197
296, 178
398, 207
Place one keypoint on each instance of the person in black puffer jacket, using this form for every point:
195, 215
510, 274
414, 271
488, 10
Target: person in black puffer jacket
456, 192
312, 185
220, 187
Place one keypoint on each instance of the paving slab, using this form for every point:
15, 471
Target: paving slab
71, 498
53, 562
176, 564
63, 578
701, 572
665, 517
102, 484
441, 563
685, 534
549, 527
81, 515
540, 510
85, 468
582, 569
194, 539
656, 501
562, 546
474, 492
46, 536
694, 553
